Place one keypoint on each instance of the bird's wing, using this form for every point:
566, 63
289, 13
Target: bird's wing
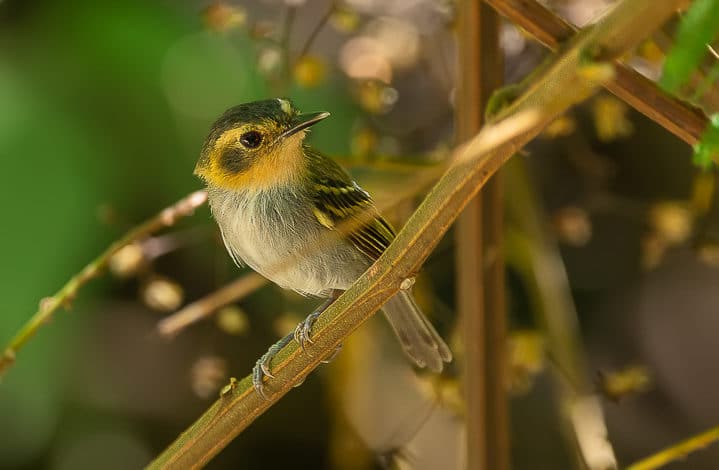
341, 204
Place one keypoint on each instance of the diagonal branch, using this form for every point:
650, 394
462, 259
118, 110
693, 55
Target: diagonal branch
676, 116
572, 78
166, 218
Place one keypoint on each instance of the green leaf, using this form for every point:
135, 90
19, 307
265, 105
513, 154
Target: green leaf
707, 150
698, 27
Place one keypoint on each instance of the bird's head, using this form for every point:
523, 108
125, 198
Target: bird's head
256, 145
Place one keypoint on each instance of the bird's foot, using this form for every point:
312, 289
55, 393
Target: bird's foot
262, 366
304, 329
301, 335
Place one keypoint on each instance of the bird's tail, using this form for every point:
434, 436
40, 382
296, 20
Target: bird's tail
419, 339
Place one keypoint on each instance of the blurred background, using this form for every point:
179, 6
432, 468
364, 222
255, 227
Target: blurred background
103, 109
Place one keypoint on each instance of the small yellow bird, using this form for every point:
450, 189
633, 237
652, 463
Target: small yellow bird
296, 217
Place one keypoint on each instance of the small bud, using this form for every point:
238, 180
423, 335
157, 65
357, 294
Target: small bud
127, 261
376, 97
526, 359
309, 71
560, 127
573, 226
620, 384
207, 374
233, 320
46, 303
672, 221
220, 16
610, 119
229, 387
269, 60
407, 283
162, 294
345, 20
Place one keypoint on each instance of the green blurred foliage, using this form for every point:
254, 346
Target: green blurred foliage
87, 118
706, 152
102, 104
698, 27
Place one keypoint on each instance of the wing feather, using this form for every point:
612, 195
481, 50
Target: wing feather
341, 204
348, 207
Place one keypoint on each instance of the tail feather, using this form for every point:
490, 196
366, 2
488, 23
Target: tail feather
419, 339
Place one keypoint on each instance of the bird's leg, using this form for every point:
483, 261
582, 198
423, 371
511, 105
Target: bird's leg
262, 366
301, 335
304, 328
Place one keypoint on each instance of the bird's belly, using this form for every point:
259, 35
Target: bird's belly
284, 243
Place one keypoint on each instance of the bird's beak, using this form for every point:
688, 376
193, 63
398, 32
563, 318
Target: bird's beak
303, 121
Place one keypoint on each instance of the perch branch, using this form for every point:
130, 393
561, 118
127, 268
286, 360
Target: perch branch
48, 306
570, 79
676, 116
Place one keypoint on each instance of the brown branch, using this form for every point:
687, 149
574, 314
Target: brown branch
568, 81
678, 117
479, 265
166, 218
206, 306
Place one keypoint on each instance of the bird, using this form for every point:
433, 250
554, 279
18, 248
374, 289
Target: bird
296, 217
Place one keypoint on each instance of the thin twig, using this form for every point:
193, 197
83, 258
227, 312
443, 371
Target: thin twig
533, 252
285, 35
678, 117
206, 306
678, 451
568, 81
166, 218
318, 27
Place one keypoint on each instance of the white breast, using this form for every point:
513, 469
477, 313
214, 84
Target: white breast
275, 233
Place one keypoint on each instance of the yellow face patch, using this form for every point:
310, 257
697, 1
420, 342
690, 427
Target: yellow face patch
272, 164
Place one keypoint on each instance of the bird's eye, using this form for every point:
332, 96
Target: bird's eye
251, 139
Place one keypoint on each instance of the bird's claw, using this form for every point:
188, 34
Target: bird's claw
262, 366
301, 334
303, 330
